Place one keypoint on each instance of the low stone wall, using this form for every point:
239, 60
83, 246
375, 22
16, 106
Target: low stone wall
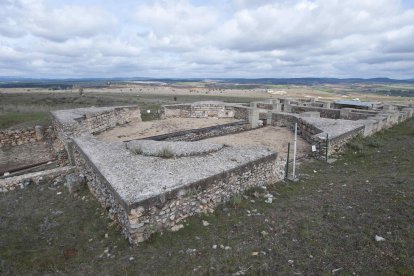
12, 183
241, 112
169, 210
324, 112
267, 106
15, 137
202, 133
201, 197
337, 144
284, 119
308, 131
175, 111
72, 123
198, 110
95, 123
356, 114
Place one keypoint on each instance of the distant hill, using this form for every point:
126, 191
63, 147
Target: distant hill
97, 82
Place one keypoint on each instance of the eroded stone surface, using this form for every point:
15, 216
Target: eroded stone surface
177, 149
137, 177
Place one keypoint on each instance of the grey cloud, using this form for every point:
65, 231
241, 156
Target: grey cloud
361, 38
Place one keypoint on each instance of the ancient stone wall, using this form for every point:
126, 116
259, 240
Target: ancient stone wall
16, 182
308, 131
324, 112
261, 105
198, 110
241, 112
337, 144
202, 133
15, 137
284, 119
356, 114
175, 111
92, 121
169, 210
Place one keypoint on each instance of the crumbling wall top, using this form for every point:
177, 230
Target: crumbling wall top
136, 177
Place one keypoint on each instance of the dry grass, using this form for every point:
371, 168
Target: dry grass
325, 222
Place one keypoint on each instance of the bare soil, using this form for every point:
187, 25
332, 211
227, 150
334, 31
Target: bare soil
138, 130
274, 138
16, 157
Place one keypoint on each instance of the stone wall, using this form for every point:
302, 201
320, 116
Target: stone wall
324, 112
198, 110
241, 112
267, 106
16, 182
169, 210
284, 119
338, 143
95, 123
202, 197
15, 137
356, 114
202, 133
175, 111
72, 123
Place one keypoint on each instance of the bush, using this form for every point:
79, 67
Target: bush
166, 153
137, 150
236, 200
356, 146
374, 143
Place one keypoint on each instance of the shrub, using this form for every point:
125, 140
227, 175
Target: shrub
137, 150
236, 200
374, 143
166, 153
356, 146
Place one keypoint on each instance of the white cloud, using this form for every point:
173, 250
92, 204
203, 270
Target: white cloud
165, 38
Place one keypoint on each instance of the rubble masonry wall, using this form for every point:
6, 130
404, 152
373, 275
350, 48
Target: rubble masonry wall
15, 137
167, 211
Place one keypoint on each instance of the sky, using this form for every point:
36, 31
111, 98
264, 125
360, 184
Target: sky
207, 39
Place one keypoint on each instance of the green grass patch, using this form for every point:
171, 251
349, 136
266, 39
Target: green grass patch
11, 119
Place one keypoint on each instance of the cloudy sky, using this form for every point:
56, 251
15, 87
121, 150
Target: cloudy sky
200, 38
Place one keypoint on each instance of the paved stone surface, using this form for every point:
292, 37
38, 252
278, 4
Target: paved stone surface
138, 177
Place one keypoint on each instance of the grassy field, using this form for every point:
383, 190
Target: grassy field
324, 224
33, 108
22, 119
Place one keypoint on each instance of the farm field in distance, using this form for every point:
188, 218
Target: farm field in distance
325, 223
34, 103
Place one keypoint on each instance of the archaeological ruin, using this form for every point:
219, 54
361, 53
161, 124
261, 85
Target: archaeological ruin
151, 176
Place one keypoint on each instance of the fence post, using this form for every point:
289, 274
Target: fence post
294, 152
287, 162
327, 147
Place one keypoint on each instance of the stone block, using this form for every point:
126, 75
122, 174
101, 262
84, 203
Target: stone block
254, 117
287, 108
312, 114
74, 182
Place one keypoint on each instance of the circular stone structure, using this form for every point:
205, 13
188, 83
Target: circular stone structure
176, 149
